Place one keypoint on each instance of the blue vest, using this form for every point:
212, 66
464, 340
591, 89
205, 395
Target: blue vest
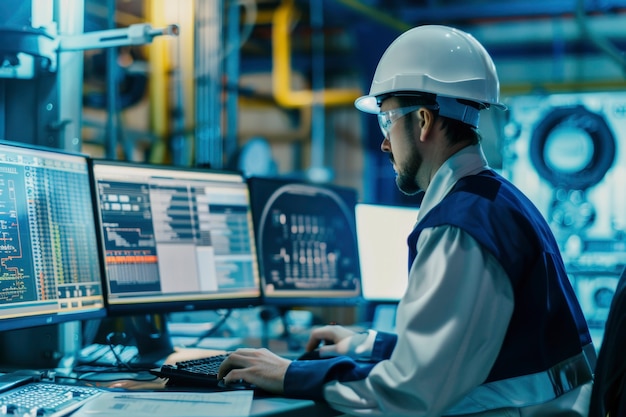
547, 325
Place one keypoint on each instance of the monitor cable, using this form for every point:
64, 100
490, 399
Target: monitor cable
110, 341
210, 332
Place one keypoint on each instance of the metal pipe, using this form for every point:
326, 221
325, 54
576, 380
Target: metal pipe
232, 75
602, 43
318, 134
70, 16
159, 62
112, 121
209, 149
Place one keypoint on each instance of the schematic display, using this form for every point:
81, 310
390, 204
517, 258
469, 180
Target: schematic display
172, 235
48, 246
306, 240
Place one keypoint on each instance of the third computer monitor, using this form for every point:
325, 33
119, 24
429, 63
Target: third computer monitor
383, 231
175, 239
306, 242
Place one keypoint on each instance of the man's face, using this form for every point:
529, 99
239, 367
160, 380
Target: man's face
401, 144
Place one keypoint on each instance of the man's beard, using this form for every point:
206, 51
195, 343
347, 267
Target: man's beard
406, 180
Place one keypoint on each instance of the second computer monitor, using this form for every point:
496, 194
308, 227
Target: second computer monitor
306, 242
175, 239
383, 231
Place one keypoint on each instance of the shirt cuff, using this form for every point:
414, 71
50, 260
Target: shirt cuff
363, 351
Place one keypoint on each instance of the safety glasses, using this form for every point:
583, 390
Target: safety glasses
387, 118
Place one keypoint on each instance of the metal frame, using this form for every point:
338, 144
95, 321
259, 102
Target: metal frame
42, 61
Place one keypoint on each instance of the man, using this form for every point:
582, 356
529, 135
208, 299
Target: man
489, 324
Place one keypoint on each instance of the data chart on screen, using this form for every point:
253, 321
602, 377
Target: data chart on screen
49, 265
175, 238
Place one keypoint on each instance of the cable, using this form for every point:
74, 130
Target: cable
119, 362
212, 330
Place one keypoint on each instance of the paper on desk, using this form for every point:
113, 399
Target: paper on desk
168, 404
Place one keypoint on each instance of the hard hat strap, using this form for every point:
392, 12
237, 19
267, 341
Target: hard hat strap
450, 107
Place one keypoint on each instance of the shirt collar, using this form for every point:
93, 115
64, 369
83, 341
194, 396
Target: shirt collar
468, 161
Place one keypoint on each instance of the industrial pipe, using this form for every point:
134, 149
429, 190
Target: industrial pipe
281, 75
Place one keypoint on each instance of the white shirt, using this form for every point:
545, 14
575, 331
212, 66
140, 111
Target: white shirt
450, 323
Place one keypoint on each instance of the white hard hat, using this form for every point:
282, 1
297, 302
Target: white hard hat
439, 60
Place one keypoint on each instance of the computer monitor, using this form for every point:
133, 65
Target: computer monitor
382, 232
306, 242
175, 238
50, 271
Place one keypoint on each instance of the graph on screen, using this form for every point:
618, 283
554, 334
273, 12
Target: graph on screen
49, 264
175, 238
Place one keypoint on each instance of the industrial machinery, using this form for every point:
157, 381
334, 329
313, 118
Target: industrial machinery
40, 60
567, 152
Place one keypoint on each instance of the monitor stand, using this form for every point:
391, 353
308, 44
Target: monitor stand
270, 313
44, 347
151, 337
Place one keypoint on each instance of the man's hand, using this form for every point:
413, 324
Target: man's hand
255, 366
335, 340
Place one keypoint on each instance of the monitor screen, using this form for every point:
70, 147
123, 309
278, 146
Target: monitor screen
382, 232
306, 242
49, 264
175, 239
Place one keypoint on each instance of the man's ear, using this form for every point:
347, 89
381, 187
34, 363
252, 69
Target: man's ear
426, 120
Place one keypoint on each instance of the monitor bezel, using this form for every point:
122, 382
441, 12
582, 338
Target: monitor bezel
303, 298
115, 309
47, 317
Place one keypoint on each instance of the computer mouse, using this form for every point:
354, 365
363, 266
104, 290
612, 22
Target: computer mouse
236, 385
310, 356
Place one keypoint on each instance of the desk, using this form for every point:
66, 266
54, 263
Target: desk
262, 406
288, 407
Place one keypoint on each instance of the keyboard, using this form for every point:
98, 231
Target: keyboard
194, 372
43, 399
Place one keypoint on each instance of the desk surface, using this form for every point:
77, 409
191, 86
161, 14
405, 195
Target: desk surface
262, 406
288, 407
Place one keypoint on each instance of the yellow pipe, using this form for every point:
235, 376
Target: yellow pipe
161, 13
158, 86
281, 76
